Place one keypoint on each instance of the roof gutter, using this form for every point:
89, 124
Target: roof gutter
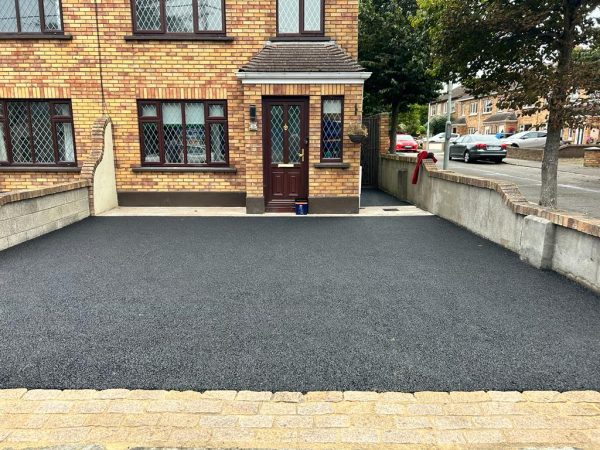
303, 77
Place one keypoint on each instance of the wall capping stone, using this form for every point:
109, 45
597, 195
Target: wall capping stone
17, 196
511, 196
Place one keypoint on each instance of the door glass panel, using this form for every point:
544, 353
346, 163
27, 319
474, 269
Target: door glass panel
277, 134
288, 16
312, 15
294, 144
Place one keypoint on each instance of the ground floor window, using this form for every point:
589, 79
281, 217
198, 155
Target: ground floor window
183, 132
472, 130
34, 132
332, 128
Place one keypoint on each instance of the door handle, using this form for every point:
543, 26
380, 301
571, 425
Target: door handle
301, 155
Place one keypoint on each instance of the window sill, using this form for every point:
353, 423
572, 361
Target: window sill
61, 169
332, 165
206, 169
35, 36
300, 38
175, 37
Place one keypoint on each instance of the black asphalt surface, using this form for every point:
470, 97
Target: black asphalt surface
375, 197
390, 303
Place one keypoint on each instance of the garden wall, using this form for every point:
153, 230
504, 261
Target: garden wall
566, 243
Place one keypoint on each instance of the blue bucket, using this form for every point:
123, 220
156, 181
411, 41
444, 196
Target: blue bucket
301, 207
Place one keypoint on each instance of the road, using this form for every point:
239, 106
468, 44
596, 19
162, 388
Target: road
288, 304
578, 186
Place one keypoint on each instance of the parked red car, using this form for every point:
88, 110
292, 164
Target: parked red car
406, 143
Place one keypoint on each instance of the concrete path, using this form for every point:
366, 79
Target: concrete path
578, 188
278, 304
120, 419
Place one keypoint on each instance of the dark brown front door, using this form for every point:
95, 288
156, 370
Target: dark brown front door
285, 145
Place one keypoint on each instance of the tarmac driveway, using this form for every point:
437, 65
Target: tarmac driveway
399, 304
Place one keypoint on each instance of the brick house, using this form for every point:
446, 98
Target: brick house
482, 116
213, 102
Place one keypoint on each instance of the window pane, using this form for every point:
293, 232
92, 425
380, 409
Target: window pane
180, 16
216, 111
52, 15
210, 15
64, 139
42, 133
151, 146
147, 15
217, 142
19, 132
312, 15
289, 16
62, 109
332, 128
29, 11
173, 133
3, 152
195, 133
8, 17
149, 111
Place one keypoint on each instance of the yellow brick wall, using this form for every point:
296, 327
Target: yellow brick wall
154, 70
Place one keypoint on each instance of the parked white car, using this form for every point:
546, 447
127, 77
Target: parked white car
527, 139
441, 137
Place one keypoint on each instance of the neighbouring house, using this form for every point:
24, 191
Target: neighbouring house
481, 115
213, 102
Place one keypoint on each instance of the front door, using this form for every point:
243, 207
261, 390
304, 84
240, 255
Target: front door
285, 146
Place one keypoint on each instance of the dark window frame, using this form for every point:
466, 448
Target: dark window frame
302, 33
163, 22
54, 119
158, 120
43, 30
341, 158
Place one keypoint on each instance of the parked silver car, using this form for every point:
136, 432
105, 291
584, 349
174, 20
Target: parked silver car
527, 139
473, 147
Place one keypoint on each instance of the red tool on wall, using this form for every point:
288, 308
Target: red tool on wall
420, 158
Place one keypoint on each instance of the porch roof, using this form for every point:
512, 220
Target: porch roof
302, 57
502, 117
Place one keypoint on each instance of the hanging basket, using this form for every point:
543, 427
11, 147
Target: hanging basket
357, 138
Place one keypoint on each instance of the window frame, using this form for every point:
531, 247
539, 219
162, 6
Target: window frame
161, 142
43, 30
301, 32
487, 103
341, 158
474, 108
54, 119
163, 22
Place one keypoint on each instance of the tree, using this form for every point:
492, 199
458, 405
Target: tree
530, 52
411, 122
396, 50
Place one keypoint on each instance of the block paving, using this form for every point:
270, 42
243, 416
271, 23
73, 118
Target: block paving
120, 418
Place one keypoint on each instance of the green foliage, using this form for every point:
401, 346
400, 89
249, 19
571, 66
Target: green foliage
413, 121
437, 124
396, 50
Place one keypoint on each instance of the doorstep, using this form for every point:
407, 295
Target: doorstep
370, 211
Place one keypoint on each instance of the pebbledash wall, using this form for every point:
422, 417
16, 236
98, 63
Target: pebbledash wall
566, 243
169, 69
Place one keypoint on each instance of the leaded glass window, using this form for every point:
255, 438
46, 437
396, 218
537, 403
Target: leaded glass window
332, 128
36, 133
300, 17
183, 133
30, 16
179, 16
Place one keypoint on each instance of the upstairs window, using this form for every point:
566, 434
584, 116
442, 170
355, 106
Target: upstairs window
183, 17
474, 107
36, 133
300, 17
487, 106
184, 133
30, 16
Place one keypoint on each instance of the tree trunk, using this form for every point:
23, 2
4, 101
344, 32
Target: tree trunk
394, 127
556, 107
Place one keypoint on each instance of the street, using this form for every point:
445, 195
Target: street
578, 186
